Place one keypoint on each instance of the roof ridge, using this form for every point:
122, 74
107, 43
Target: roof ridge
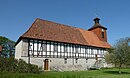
57, 23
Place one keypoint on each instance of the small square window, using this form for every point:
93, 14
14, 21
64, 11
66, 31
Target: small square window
76, 60
65, 60
86, 60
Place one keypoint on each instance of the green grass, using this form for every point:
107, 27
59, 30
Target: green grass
102, 73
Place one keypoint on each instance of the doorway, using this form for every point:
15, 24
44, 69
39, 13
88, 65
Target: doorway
46, 64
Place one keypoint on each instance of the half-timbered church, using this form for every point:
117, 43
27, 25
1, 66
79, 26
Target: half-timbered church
60, 47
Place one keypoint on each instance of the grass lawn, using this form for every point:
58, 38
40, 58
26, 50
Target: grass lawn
102, 73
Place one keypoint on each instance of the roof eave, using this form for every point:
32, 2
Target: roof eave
97, 27
21, 37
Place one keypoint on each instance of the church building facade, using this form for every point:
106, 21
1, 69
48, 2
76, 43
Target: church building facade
60, 47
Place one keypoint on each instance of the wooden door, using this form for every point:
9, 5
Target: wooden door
46, 63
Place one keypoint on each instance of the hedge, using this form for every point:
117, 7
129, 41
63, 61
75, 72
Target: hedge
13, 65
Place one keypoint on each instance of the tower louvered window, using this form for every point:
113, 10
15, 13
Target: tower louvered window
102, 33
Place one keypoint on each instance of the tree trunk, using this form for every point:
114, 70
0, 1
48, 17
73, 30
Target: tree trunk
120, 69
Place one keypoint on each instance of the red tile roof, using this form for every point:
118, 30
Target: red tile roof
47, 30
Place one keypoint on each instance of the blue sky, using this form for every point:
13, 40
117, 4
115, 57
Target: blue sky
16, 16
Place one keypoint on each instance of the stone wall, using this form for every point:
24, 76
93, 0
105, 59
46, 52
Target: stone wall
58, 64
